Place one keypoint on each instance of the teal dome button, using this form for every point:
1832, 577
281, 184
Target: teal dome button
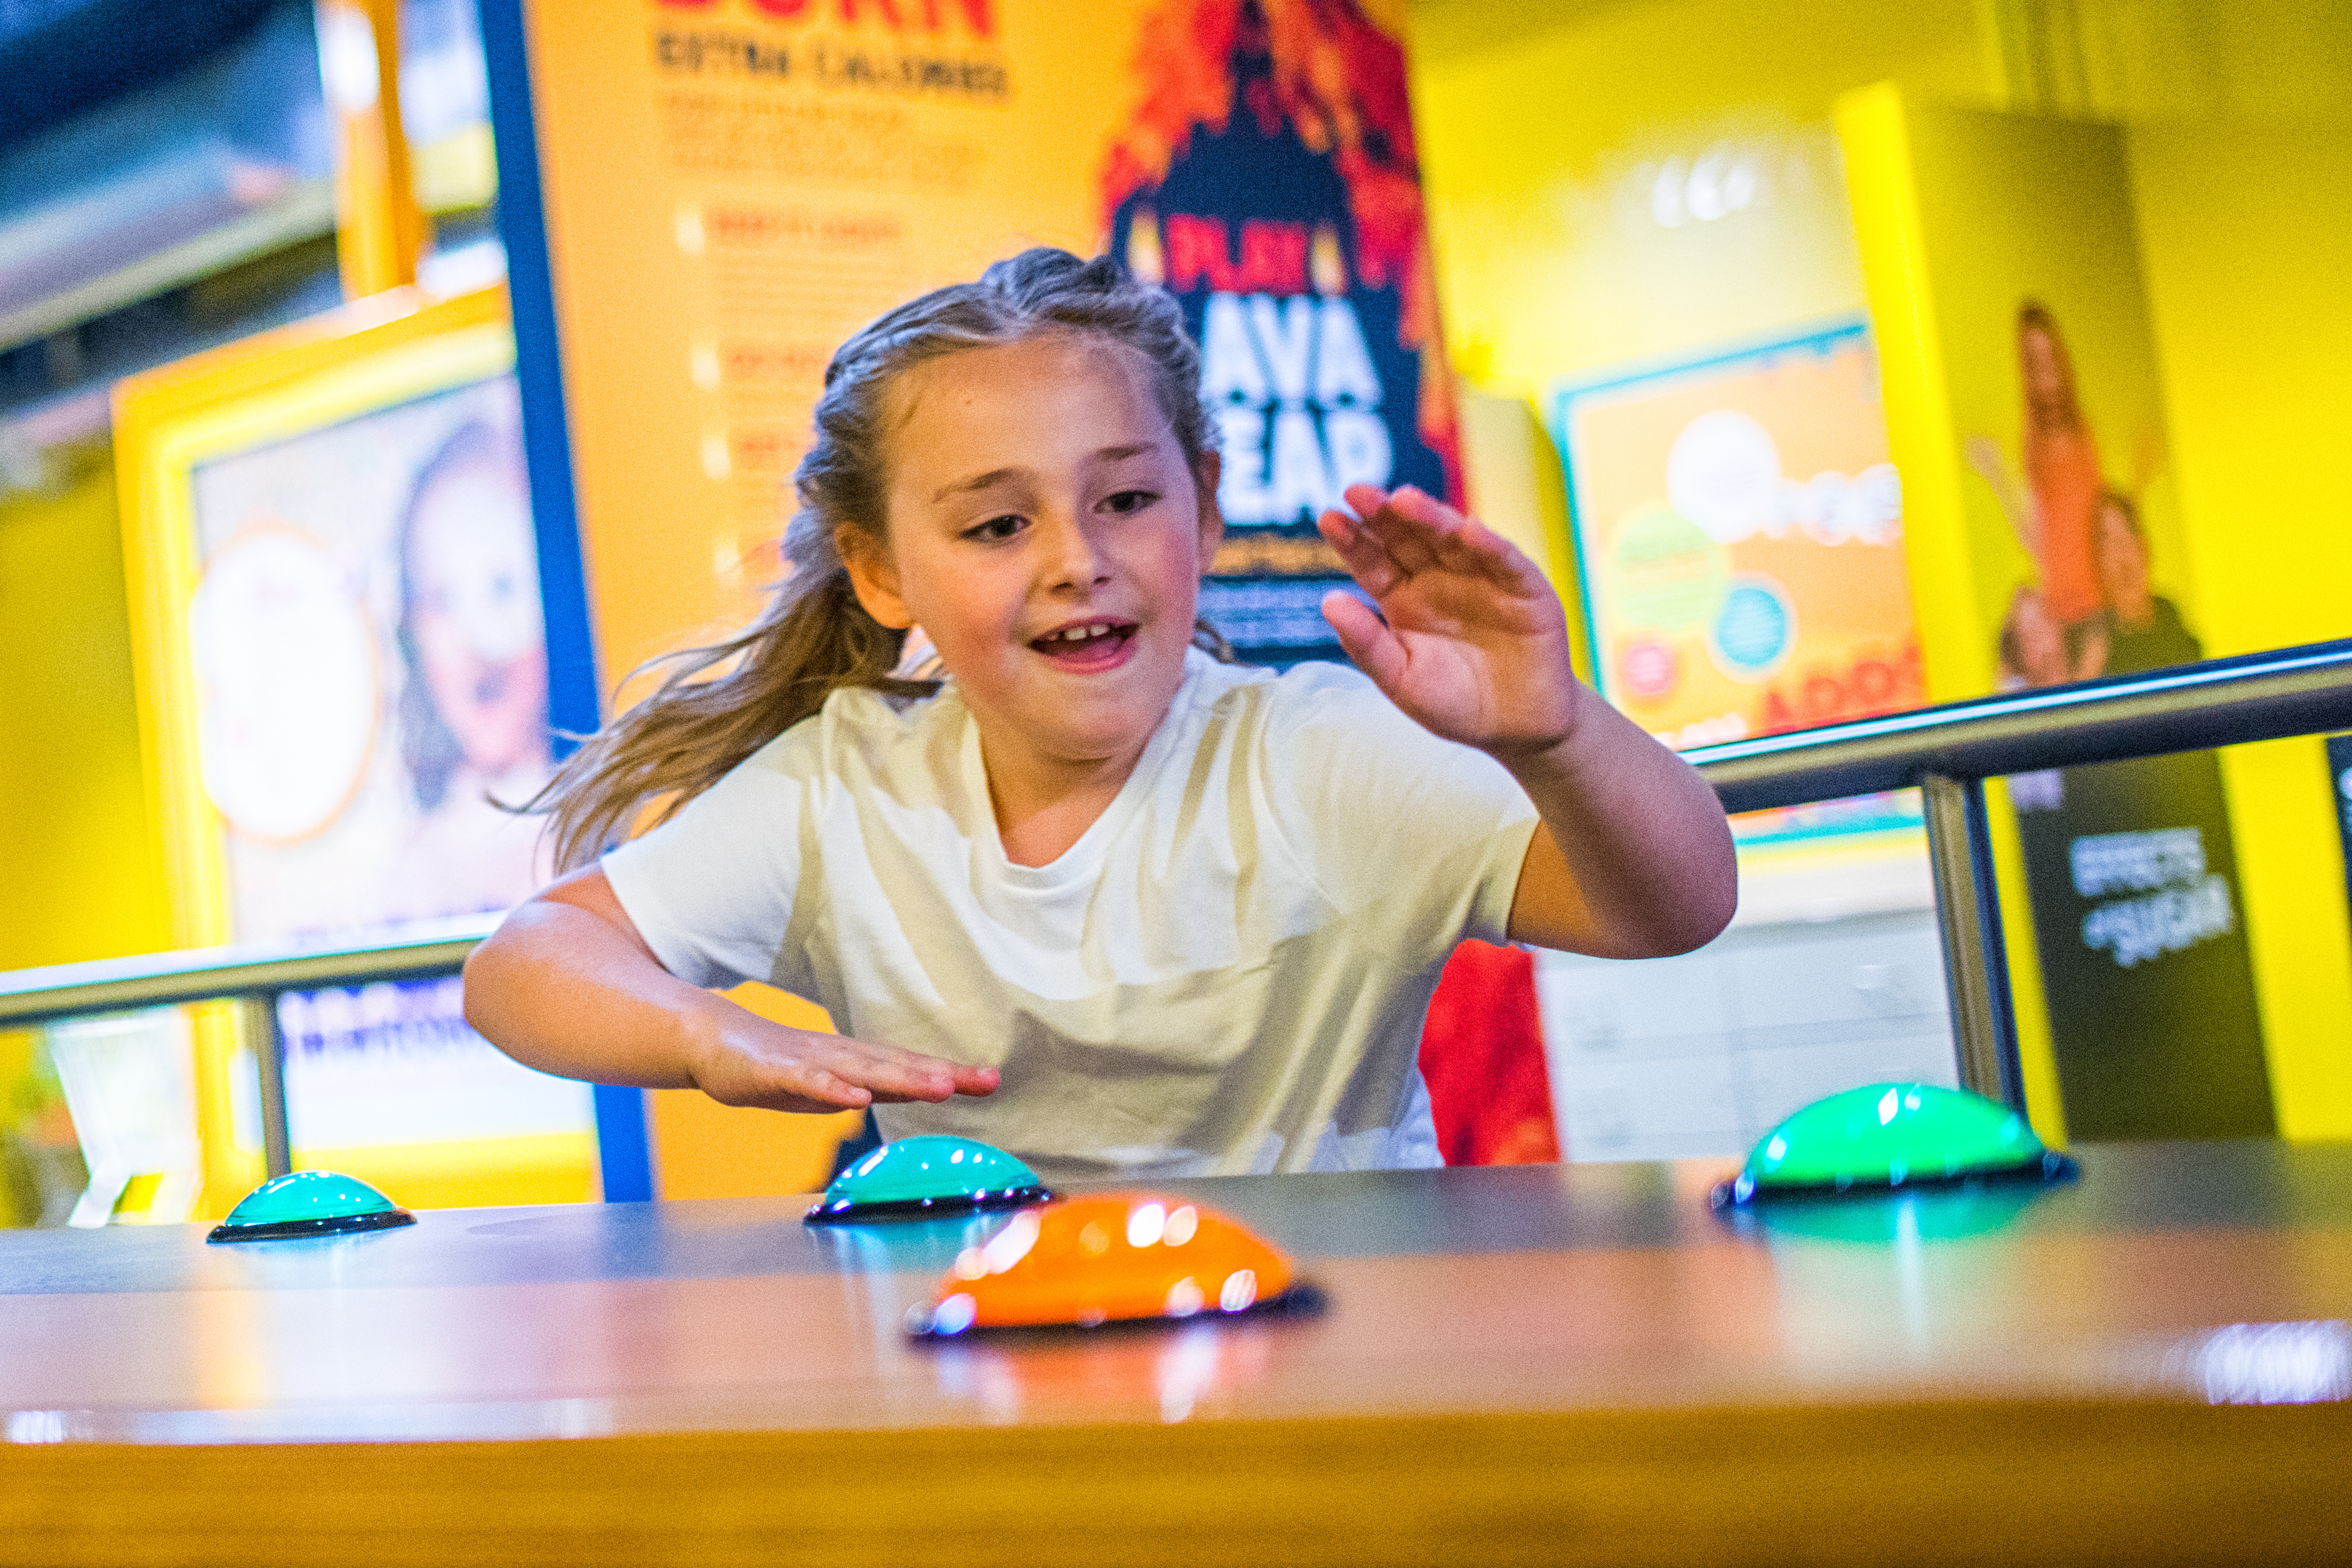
310, 1202
921, 1178
1888, 1135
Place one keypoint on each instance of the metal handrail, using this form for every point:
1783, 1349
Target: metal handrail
412, 952
2189, 708
1946, 751
255, 977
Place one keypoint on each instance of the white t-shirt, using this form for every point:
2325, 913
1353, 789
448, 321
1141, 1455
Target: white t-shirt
1226, 973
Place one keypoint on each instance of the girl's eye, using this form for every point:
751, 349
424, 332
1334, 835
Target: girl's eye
1125, 502
997, 529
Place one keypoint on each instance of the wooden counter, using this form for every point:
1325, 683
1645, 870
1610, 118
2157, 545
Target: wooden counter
1553, 1364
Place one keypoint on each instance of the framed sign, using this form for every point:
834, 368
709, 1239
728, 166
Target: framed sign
343, 663
1738, 539
703, 199
1738, 535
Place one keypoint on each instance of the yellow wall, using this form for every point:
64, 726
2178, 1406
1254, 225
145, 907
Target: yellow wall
2247, 226
1541, 141
74, 825
1540, 132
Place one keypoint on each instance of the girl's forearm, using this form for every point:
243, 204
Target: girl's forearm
558, 988
1640, 836
570, 986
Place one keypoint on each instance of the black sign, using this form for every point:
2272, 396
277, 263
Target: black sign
2143, 945
1304, 360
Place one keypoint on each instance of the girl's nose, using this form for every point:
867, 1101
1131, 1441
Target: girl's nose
1071, 556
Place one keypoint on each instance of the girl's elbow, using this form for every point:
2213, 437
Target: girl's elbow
1712, 916
488, 984
1698, 913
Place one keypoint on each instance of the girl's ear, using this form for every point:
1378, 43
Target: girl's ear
1213, 519
872, 577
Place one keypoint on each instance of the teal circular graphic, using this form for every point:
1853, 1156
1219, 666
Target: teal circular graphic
1755, 630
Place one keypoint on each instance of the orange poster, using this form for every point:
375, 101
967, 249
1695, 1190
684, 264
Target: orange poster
732, 186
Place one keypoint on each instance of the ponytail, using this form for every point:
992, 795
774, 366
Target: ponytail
692, 731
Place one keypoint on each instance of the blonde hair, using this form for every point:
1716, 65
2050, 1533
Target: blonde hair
814, 638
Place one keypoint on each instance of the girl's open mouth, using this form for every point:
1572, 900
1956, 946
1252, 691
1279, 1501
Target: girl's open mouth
1087, 646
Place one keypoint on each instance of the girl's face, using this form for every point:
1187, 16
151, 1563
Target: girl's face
474, 611
1046, 531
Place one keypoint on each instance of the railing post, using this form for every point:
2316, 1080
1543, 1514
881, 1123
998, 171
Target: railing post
1967, 915
269, 1056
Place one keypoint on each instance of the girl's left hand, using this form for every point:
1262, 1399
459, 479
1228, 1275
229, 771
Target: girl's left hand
1475, 645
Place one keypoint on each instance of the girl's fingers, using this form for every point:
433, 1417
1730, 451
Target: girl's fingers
806, 1080
902, 1075
1366, 638
1360, 552
905, 1075
1477, 549
1402, 523
1423, 533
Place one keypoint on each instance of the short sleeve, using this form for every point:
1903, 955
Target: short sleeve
1416, 836
711, 889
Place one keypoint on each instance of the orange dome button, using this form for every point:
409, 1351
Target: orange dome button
1122, 1257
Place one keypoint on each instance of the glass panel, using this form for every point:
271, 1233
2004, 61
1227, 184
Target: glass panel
388, 1066
41, 1169
129, 1084
1831, 975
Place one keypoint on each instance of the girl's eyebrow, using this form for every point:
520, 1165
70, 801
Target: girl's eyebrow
998, 476
977, 482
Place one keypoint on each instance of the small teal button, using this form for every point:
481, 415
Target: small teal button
916, 1178
310, 1202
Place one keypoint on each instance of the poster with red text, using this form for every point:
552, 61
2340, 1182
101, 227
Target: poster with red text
733, 186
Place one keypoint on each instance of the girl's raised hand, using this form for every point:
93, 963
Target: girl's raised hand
1474, 644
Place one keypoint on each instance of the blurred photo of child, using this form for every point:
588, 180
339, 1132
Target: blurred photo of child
473, 705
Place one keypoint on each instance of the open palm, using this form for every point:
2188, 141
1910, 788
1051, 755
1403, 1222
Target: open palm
1471, 640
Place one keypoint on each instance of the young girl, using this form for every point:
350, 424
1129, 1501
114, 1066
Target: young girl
1097, 897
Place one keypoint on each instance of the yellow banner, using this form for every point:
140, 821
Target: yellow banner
733, 186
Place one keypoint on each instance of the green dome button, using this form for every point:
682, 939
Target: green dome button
310, 1202
921, 1178
1886, 1135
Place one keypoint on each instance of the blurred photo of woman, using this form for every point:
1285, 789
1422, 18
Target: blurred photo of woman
2053, 506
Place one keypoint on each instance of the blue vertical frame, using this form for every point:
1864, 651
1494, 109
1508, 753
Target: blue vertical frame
623, 1149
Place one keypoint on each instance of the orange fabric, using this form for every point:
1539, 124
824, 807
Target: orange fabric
1482, 1055
2062, 466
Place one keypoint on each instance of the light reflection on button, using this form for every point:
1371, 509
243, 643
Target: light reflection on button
1240, 1291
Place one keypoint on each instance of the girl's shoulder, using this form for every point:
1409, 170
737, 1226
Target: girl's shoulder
1311, 718
1303, 696
864, 736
